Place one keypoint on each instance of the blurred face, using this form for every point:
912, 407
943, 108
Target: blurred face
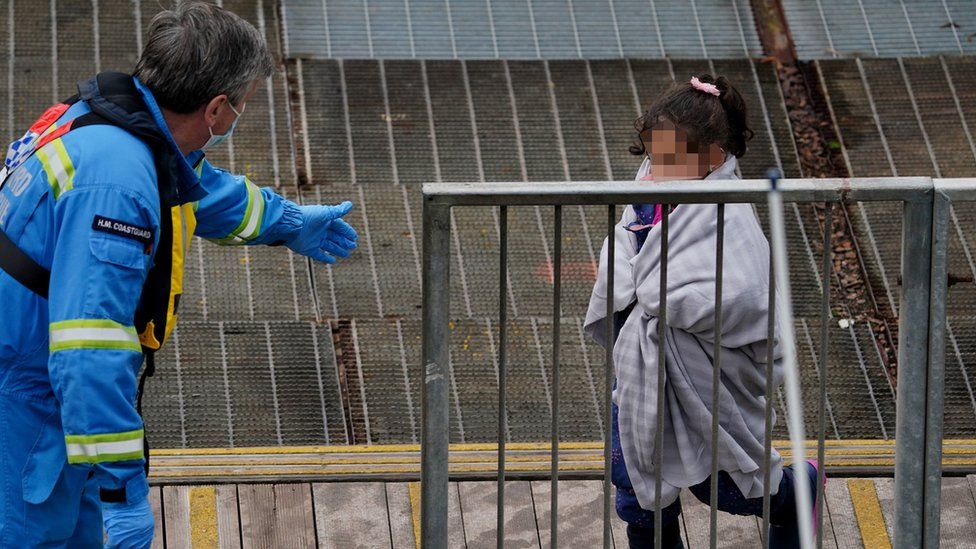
675, 156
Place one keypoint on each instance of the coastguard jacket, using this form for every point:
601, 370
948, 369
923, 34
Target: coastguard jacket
99, 209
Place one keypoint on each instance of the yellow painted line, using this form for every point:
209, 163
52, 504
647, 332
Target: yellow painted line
470, 457
515, 446
203, 517
413, 489
834, 456
364, 460
537, 466
368, 449
867, 509
415, 468
487, 464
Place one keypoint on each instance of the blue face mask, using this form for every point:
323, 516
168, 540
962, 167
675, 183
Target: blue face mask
218, 139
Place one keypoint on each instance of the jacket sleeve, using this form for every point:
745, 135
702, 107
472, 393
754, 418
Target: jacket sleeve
235, 211
104, 239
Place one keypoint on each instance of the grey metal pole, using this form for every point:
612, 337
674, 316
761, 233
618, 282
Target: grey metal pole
436, 338
662, 332
824, 351
716, 374
608, 376
936, 372
913, 355
791, 374
768, 421
502, 369
557, 275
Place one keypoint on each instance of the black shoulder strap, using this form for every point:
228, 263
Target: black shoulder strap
22, 268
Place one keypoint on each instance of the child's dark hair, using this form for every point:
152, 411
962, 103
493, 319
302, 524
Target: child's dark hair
706, 118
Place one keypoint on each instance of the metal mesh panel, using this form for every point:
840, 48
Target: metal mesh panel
472, 25
207, 417
409, 122
960, 403
619, 106
518, 29
245, 384
250, 383
899, 146
166, 399
33, 70
515, 29
387, 357
854, 369
578, 118
367, 122
75, 35
831, 28
389, 29
325, 140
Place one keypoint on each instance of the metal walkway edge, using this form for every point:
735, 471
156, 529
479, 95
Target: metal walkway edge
578, 460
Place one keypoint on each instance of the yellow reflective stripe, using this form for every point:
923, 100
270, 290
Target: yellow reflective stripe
104, 447
69, 168
250, 226
52, 180
93, 334
256, 211
58, 167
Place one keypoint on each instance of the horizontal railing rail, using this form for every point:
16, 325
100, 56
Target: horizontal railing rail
926, 217
602, 193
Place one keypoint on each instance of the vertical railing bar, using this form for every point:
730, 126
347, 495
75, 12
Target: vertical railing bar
827, 272
913, 357
502, 368
935, 386
791, 375
768, 437
436, 339
662, 328
716, 374
608, 375
556, 318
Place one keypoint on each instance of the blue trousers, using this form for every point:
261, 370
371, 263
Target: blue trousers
44, 502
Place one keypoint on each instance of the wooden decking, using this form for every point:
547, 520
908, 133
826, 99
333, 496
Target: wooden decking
386, 515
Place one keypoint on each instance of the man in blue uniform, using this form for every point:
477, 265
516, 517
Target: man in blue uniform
98, 203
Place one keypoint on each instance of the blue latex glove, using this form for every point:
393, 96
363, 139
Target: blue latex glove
325, 235
128, 525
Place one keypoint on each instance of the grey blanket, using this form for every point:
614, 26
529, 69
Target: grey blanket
690, 337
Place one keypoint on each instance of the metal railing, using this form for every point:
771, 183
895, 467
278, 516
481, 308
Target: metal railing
921, 346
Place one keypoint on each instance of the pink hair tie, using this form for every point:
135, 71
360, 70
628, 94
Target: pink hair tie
702, 86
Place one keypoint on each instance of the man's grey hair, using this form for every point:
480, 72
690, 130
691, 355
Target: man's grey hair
196, 51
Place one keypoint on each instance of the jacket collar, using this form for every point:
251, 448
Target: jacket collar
124, 101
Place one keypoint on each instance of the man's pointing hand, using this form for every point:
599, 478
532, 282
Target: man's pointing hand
325, 235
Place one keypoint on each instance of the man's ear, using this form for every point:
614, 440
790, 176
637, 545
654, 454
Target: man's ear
211, 109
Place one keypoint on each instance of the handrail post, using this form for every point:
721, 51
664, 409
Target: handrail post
935, 386
436, 340
913, 366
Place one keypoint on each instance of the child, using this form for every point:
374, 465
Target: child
695, 130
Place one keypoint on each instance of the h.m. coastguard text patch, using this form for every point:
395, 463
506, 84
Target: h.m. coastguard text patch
126, 230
